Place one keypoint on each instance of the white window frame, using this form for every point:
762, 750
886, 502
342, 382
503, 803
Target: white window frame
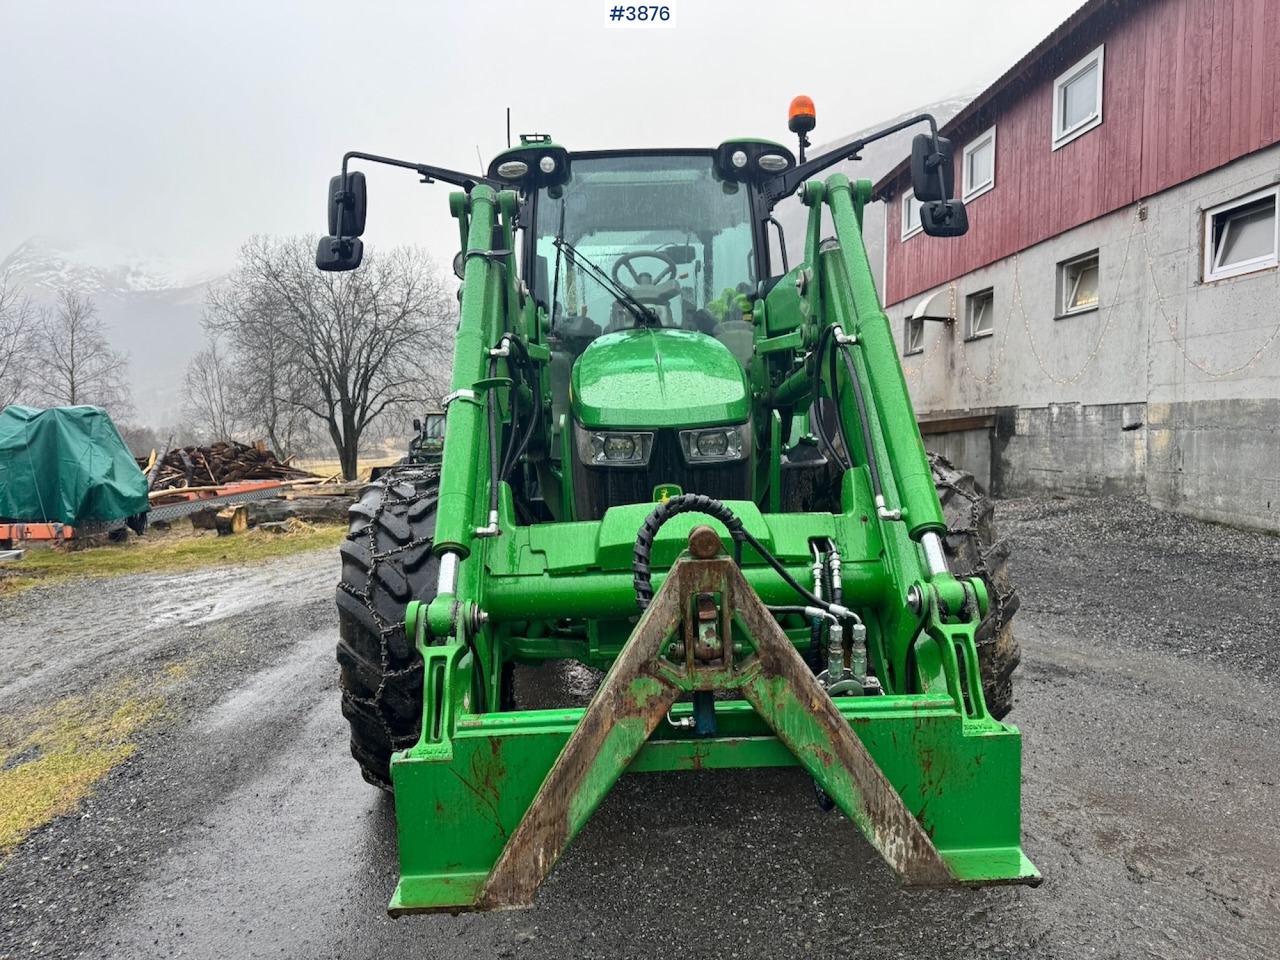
1211, 273
1061, 137
907, 348
1064, 295
970, 301
971, 190
909, 198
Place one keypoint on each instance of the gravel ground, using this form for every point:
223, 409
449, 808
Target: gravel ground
242, 828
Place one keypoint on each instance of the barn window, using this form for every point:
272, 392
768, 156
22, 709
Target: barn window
1241, 236
1077, 100
910, 214
979, 167
912, 336
978, 310
1078, 284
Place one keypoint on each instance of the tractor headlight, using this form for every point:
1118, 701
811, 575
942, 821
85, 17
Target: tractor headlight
512, 169
612, 448
715, 444
773, 162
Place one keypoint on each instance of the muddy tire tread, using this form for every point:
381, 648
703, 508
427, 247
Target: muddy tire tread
387, 561
973, 548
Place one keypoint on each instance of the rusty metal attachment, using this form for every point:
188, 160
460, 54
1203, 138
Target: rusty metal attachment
704, 542
642, 686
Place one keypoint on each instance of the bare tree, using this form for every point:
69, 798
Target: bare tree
75, 362
211, 404
275, 392
343, 348
17, 340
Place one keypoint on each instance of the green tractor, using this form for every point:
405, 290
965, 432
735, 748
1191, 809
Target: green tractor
678, 459
426, 446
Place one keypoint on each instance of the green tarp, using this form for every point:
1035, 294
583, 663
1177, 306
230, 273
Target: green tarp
66, 464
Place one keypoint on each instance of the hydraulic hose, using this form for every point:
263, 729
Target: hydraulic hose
864, 421
820, 427
700, 503
821, 588
499, 472
516, 451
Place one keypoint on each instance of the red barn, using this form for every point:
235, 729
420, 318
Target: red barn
1110, 321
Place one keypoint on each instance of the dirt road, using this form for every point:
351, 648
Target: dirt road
241, 828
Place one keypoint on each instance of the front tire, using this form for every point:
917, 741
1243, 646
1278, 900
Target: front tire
974, 550
387, 560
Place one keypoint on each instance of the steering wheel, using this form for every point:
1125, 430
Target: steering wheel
668, 272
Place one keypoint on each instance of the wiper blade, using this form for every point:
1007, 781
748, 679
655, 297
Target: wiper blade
634, 306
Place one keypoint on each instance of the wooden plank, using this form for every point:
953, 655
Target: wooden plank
930, 425
1270, 79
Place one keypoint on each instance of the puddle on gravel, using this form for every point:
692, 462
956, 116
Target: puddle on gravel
276, 689
194, 599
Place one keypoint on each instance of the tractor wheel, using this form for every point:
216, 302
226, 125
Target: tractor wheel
974, 550
386, 562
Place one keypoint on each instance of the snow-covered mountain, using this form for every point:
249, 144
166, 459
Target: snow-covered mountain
151, 308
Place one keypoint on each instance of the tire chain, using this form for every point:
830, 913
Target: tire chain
389, 496
948, 477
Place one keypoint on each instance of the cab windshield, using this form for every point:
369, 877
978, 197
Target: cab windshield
644, 240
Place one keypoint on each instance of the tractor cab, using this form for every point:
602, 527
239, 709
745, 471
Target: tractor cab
646, 265
427, 443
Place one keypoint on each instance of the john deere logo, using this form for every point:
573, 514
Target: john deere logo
665, 491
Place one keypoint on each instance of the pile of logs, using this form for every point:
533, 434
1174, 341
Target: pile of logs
219, 464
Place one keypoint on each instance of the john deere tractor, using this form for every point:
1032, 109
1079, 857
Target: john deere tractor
676, 458
425, 446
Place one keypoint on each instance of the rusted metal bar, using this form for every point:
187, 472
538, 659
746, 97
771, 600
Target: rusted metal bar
633, 698
642, 686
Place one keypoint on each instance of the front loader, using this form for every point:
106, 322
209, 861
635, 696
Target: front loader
672, 456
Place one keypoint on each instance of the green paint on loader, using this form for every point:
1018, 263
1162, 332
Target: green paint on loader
649, 415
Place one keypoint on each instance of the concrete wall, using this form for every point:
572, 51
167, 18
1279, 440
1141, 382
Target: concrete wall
968, 449
1170, 388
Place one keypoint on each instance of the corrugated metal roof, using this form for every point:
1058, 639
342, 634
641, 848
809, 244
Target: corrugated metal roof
1028, 68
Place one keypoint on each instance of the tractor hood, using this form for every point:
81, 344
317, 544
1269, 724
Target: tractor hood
658, 378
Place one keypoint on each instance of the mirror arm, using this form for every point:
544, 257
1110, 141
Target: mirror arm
784, 185
427, 172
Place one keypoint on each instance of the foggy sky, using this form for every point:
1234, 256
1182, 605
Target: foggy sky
179, 128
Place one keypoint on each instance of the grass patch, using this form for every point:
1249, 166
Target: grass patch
333, 468
51, 758
168, 552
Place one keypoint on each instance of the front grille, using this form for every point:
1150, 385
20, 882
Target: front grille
596, 489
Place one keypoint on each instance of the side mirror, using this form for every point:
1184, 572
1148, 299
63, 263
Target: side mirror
339, 253
417, 425
944, 218
348, 200
925, 165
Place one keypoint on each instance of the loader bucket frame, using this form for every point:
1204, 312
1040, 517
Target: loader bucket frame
486, 804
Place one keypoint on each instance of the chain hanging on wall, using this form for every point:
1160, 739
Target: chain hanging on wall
1111, 312
1016, 300
912, 371
1018, 303
1172, 324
